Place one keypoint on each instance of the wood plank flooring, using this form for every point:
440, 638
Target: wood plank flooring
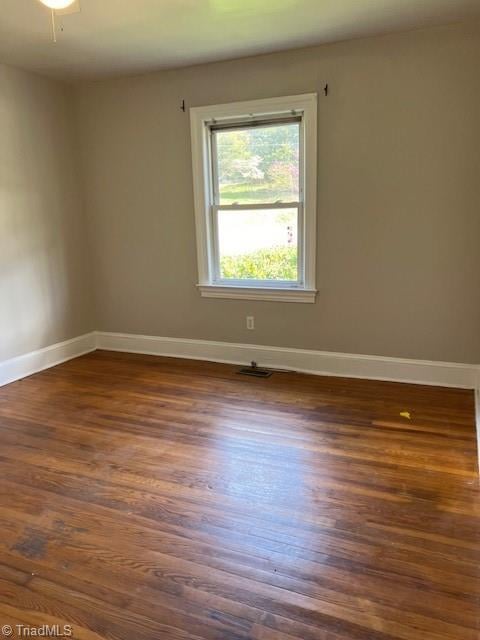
148, 498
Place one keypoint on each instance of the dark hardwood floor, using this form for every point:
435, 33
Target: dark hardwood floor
150, 498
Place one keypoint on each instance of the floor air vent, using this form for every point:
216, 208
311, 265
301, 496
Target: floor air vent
255, 371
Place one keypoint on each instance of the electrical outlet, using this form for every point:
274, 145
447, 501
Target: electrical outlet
250, 323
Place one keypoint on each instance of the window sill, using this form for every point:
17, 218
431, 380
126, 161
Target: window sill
257, 293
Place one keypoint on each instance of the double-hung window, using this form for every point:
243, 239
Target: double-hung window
254, 169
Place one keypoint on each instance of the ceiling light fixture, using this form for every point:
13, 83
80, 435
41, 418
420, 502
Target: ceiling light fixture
60, 7
57, 4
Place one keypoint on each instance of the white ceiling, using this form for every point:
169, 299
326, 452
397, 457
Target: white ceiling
114, 37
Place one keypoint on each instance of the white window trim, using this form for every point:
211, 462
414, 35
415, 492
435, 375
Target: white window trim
199, 117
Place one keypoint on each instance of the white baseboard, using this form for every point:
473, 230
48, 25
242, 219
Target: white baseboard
477, 418
446, 374
35, 361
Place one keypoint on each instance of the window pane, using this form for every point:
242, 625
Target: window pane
258, 244
258, 164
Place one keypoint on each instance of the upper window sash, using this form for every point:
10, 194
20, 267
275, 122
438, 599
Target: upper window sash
245, 123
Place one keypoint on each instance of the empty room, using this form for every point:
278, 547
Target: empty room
240, 319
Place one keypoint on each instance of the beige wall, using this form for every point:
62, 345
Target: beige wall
398, 197
44, 283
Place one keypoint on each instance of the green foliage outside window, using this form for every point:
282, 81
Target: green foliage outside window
276, 263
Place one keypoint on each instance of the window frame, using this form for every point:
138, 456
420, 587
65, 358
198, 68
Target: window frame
210, 285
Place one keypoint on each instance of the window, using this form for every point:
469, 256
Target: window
254, 169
